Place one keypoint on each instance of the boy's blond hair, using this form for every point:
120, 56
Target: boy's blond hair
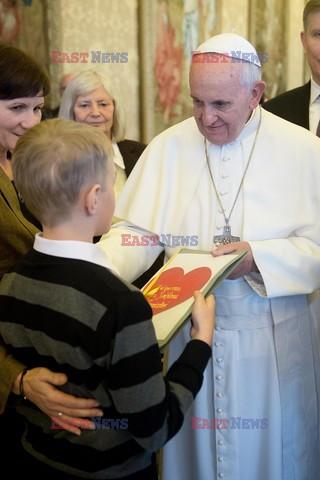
54, 161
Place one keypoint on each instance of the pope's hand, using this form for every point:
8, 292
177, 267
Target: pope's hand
246, 266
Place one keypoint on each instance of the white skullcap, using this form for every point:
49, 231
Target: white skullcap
230, 45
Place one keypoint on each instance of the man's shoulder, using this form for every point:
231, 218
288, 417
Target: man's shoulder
284, 98
169, 145
181, 136
278, 130
185, 126
292, 105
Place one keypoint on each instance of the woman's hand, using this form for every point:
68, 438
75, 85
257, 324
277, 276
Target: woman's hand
66, 411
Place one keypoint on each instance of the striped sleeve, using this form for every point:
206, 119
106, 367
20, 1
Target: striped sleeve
154, 405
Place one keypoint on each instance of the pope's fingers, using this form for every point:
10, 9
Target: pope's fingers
224, 250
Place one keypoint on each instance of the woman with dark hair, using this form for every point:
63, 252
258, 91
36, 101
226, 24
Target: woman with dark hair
23, 86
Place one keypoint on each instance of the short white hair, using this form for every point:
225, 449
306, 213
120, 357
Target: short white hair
83, 84
250, 75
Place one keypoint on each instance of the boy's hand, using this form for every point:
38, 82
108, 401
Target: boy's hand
203, 318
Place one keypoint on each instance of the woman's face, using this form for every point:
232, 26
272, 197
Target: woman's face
16, 117
95, 109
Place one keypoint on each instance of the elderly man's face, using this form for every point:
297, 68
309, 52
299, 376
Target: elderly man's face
221, 105
311, 43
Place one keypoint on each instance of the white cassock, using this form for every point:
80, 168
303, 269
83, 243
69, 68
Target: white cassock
262, 383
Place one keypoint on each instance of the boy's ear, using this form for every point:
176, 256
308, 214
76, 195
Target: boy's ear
90, 200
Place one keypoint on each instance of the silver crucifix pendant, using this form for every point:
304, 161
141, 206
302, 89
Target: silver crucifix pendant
226, 238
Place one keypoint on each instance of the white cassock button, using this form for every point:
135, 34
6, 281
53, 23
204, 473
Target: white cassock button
219, 377
219, 227
219, 360
224, 176
217, 328
220, 442
220, 459
223, 193
220, 475
218, 344
220, 394
225, 159
220, 410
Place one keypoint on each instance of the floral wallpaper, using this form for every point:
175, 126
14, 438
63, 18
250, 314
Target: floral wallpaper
100, 35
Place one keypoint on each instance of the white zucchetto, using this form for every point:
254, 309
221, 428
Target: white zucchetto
230, 45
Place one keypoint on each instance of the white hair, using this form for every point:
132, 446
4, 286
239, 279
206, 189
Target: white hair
83, 84
250, 75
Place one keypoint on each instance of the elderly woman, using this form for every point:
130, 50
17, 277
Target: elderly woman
89, 99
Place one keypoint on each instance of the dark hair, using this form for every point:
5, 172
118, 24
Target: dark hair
311, 7
20, 74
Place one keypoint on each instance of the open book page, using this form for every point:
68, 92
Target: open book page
170, 291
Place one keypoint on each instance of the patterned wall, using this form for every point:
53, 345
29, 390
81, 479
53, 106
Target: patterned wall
105, 26
83, 26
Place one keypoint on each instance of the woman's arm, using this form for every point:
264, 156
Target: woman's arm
9, 370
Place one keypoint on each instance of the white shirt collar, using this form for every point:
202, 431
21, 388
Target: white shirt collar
75, 249
118, 159
314, 91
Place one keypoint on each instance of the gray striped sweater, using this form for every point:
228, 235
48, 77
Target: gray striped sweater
76, 317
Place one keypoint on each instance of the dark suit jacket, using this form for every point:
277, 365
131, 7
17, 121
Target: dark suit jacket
16, 233
292, 105
130, 151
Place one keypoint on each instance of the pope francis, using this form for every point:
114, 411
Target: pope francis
237, 177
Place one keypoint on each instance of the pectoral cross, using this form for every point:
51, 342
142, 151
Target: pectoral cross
226, 238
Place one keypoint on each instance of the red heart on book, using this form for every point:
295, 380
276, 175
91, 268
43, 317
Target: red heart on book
174, 286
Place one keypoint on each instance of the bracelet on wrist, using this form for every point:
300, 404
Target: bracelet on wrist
22, 394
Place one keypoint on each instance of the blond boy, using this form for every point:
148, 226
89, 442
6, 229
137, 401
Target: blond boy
63, 307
